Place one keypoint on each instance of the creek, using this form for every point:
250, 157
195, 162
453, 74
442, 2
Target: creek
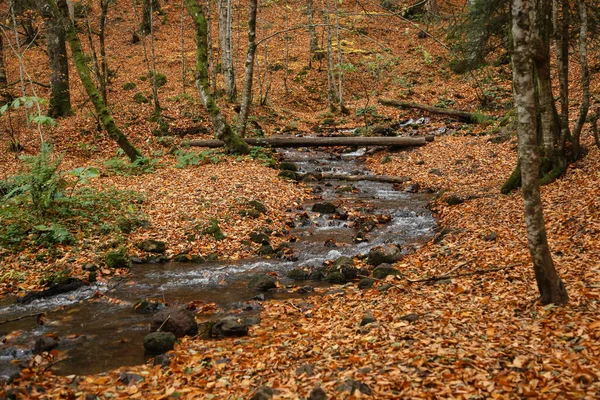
98, 333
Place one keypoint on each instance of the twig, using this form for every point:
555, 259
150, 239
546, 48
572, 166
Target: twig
21, 317
477, 272
164, 322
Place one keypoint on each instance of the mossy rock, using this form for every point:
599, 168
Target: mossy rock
157, 343
288, 175
388, 253
258, 206
335, 277
152, 246
265, 250
454, 200
299, 274
139, 98
288, 166
259, 237
384, 270
214, 230
160, 79
366, 283
345, 189
189, 258
129, 86
324, 208
317, 274
263, 282
117, 259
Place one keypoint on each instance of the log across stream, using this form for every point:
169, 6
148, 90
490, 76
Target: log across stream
101, 333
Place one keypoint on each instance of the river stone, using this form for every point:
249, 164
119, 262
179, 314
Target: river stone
159, 342
66, 286
366, 283
164, 360
189, 258
388, 253
454, 200
265, 250
288, 175
152, 246
258, 206
263, 282
335, 277
117, 259
317, 394
343, 260
262, 393
298, 274
230, 326
180, 322
45, 343
412, 188
288, 166
146, 306
324, 208
8, 372
259, 237
383, 270
317, 274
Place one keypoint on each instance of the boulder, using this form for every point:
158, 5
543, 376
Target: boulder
298, 274
178, 321
159, 342
288, 166
117, 259
366, 283
454, 200
324, 208
230, 327
388, 253
263, 282
259, 237
152, 246
289, 175
335, 277
265, 250
45, 343
383, 270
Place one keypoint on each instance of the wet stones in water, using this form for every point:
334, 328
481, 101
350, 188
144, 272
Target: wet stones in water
152, 246
383, 270
159, 342
45, 343
262, 393
299, 274
189, 258
366, 283
178, 321
259, 237
317, 393
265, 250
146, 306
263, 282
291, 175
345, 189
66, 286
305, 289
288, 166
341, 271
324, 208
388, 253
317, 274
311, 178
412, 188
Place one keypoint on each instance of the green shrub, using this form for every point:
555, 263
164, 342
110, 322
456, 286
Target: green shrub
120, 166
129, 86
139, 98
117, 259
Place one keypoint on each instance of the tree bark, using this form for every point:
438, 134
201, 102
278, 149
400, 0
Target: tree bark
463, 116
249, 75
561, 34
223, 131
60, 96
585, 80
551, 287
226, 42
3, 79
293, 141
148, 8
313, 44
85, 75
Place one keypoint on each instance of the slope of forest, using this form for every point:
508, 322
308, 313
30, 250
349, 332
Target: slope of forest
461, 321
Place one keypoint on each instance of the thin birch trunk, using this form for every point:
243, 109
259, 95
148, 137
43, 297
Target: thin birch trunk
561, 32
3, 79
211, 57
225, 40
585, 80
551, 287
339, 61
330, 76
247, 90
312, 31
182, 46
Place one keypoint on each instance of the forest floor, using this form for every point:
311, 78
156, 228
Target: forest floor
475, 336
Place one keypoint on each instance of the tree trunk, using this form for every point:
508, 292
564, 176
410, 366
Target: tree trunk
211, 59
249, 75
561, 34
102, 40
585, 80
148, 8
551, 287
463, 116
225, 40
353, 141
312, 31
85, 75
60, 97
223, 131
3, 79
330, 73
432, 7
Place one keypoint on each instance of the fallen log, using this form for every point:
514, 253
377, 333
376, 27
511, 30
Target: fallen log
371, 178
292, 141
463, 116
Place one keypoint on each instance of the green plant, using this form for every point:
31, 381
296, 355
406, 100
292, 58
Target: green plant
444, 102
143, 165
263, 154
117, 259
214, 230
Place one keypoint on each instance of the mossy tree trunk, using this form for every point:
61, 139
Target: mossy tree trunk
80, 60
3, 79
551, 287
222, 129
226, 42
249, 75
148, 8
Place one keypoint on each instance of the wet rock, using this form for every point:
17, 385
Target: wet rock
157, 260
262, 393
259, 237
178, 321
90, 267
388, 253
189, 258
136, 260
317, 393
454, 200
306, 369
45, 343
366, 283
335, 277
289, 175
230, 327
288, 166
263, 282
413, 188
117, 259
129, 378
246, 306
410, 317
299, 274
310, 178
324, 208
265, 250
341, 261
367, 319
164, 360
259, 297
317, 274
305, 289
345, 189
146, 306
383, 270
152, 246
159, 342
8, 373
66, 286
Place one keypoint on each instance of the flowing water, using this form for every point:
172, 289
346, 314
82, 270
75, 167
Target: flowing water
99, 333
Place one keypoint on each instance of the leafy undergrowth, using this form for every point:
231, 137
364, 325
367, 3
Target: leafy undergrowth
477, 336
